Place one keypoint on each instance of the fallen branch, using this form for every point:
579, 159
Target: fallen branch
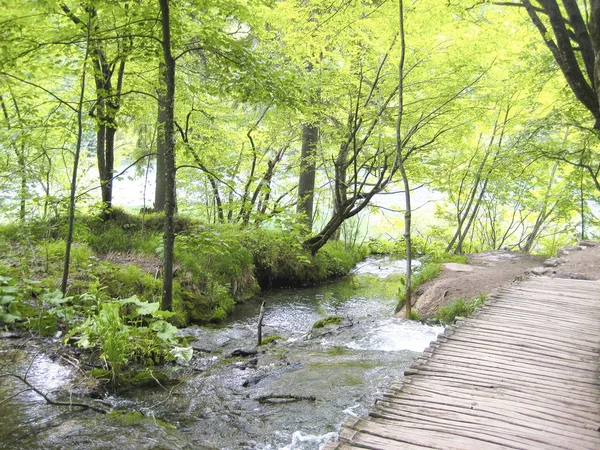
285, 398
48, 400
260, 322
170, 393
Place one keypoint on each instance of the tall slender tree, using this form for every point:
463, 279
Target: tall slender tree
400, 160
168, 110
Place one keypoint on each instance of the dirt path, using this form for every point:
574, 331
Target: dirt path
488, 271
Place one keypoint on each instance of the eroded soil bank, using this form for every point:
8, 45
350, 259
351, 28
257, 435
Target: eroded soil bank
488, 271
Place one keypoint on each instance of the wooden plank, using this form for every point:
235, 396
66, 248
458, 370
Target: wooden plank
498, 346
494, 353
579, 384
498, 407
497, 433
564, 326
532, 386
523, 366
476, 422
479, 330
341, 446
426, 437
551, 399
519, 324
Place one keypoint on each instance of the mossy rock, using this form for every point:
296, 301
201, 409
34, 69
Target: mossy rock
133, 378
270, 339
130, 418
331, 320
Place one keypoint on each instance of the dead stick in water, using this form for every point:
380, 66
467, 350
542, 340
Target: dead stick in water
260, 322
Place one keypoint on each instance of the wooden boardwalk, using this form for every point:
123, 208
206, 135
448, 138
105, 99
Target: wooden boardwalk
523, 373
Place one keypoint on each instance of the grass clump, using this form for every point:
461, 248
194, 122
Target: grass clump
425, 272
269, 339
449, 258
447, 315
331, 320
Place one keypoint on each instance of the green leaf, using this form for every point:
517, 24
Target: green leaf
9, 289
133, 299
164, 330
6, 299
184, 353
147, 308
163, 314
12, 315
8, 317
55, 298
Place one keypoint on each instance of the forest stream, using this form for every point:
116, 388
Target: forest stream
291, 394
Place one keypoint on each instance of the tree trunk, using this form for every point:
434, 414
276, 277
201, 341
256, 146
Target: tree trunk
543, 215
402, 169
159, 193
582, 206
20, 158
306, 180
107, 102
463, 234
72, 198
168, 109
105, 145
23, 193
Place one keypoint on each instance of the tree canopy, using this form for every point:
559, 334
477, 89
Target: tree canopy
294, 114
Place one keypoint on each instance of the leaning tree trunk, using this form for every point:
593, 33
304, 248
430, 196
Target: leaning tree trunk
168, 108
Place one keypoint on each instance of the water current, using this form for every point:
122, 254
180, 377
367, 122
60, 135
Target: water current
293, 394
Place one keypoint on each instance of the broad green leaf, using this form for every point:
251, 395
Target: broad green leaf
9, 317
9, 289
6, 299
163, 314
164, 330
147, 308
184, 353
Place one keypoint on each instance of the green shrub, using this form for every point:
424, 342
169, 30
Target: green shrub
32, 305
447, 314
336, 259
53, 253
125, 281
112, 239
216, 272
11, 301
130, 330
113, 337
381, 247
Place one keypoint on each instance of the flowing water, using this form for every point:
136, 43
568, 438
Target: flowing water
292, 394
